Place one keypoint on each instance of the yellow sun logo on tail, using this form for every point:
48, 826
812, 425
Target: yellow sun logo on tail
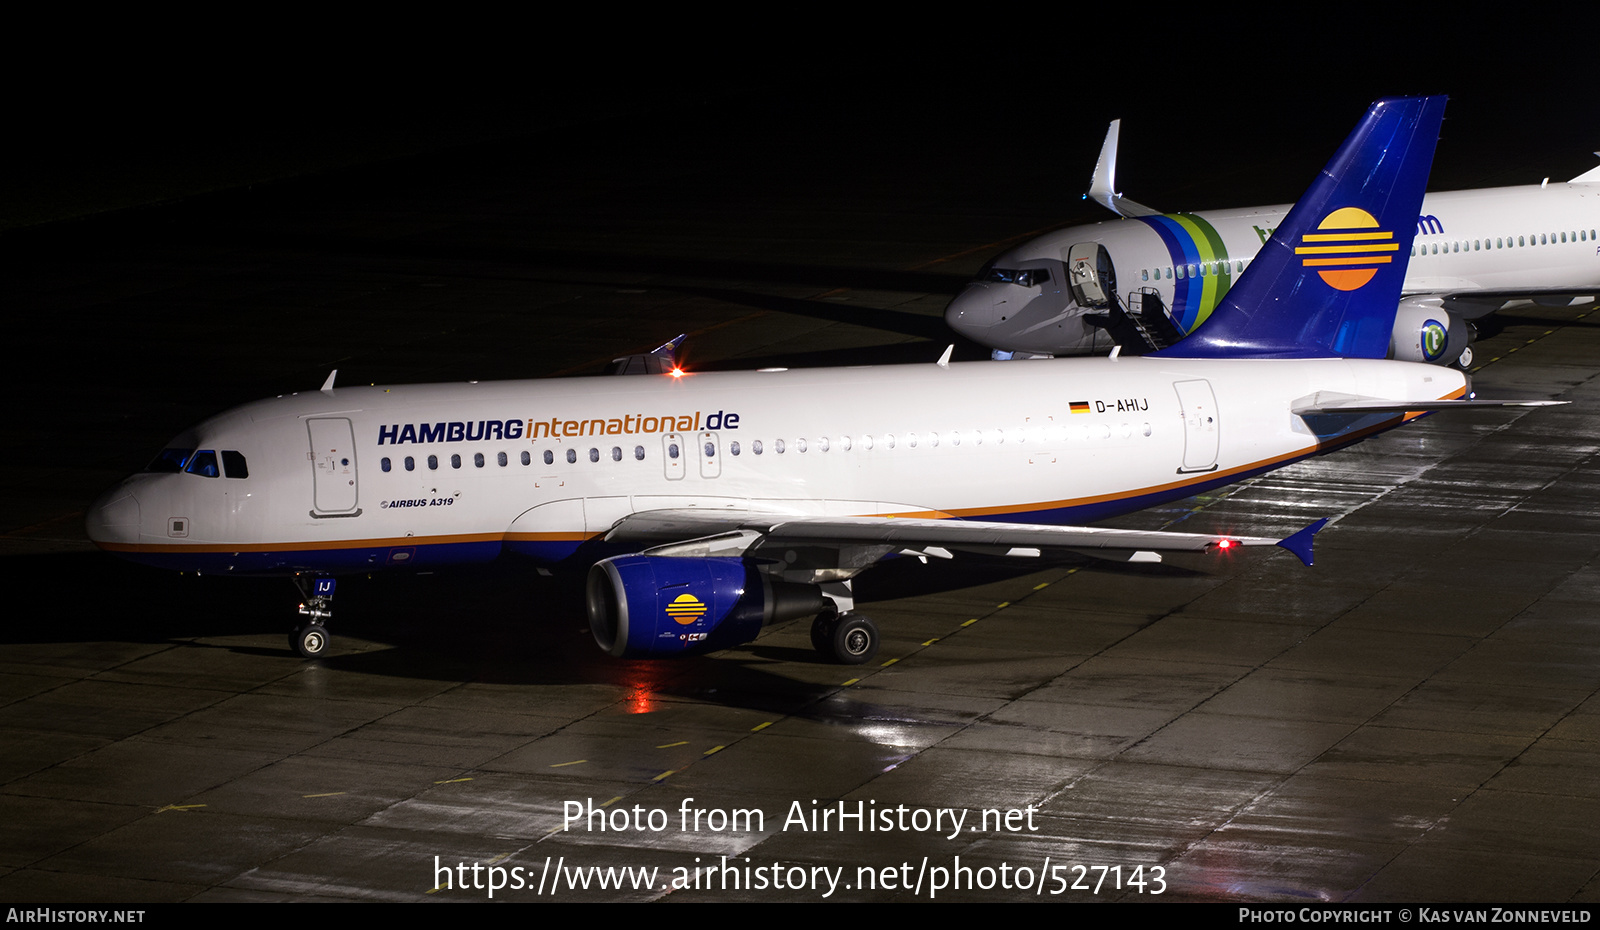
1349, 248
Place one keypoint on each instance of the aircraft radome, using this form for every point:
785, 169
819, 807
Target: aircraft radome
1149, 278
718, 502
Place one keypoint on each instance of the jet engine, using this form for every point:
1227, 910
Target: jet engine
661, 606
1425, 332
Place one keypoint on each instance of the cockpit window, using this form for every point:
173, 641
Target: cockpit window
233, 464
170, 460
1027, 277
203, 463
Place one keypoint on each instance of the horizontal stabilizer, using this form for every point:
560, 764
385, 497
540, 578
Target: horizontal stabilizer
1362, 405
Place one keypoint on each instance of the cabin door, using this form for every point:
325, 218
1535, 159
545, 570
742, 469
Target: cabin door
1091, 275
333, 466
1199, 406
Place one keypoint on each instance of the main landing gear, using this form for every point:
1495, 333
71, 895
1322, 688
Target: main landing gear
848, 638
311, 638
841, 634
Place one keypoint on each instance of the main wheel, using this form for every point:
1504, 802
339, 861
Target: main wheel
310, 640
855, 640
1464, 360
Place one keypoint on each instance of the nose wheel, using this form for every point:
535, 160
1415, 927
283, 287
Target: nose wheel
310, 639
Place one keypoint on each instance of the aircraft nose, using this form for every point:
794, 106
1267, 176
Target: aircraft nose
972, 312
114, 518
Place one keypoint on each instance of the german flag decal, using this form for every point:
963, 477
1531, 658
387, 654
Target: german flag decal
1347, 249
1080, 406
686, 609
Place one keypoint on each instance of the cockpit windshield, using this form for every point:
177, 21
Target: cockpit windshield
170, 460
1026, 277
203, 463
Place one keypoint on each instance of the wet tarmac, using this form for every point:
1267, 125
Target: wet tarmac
1417, 718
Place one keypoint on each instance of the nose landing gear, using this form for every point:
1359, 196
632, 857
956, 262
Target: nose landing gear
310, 639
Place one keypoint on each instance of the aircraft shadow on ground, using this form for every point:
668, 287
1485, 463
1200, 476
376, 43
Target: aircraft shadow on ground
498, 623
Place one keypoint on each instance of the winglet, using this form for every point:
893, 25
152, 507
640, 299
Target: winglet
1103, 186
669, 349
1300, 543
327, 386
659, 361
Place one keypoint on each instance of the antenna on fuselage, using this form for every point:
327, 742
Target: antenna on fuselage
327, 386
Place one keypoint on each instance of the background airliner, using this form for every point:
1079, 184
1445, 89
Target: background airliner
742, 498
1150, 278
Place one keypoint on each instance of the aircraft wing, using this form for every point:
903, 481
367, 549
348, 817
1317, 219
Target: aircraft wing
1474, 304
861, 541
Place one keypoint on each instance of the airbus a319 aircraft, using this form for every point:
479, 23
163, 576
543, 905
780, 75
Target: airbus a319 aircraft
1151, 278
718, 502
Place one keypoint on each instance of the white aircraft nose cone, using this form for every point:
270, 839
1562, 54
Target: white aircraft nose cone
114, 518
972, 311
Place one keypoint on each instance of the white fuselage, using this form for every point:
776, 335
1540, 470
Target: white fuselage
365, 477
1479, 248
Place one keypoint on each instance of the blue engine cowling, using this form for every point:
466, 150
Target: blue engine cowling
658, 606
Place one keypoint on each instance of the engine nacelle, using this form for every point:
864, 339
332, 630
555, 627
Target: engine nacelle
659, 606
1424, 332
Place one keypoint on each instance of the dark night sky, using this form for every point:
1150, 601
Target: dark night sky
127, 117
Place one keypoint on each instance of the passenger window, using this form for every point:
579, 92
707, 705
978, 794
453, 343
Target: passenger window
455, 461
594, 455
233, 465
500, 458
733, 447
433, 463
616, 453
572, 456
638, 452
549, 457
411, 464
383, 463
526, 458
477, 460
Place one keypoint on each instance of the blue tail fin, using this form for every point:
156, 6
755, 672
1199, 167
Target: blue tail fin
1328, 281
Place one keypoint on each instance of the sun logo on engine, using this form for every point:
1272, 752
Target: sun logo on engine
1348, 249
686, 609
